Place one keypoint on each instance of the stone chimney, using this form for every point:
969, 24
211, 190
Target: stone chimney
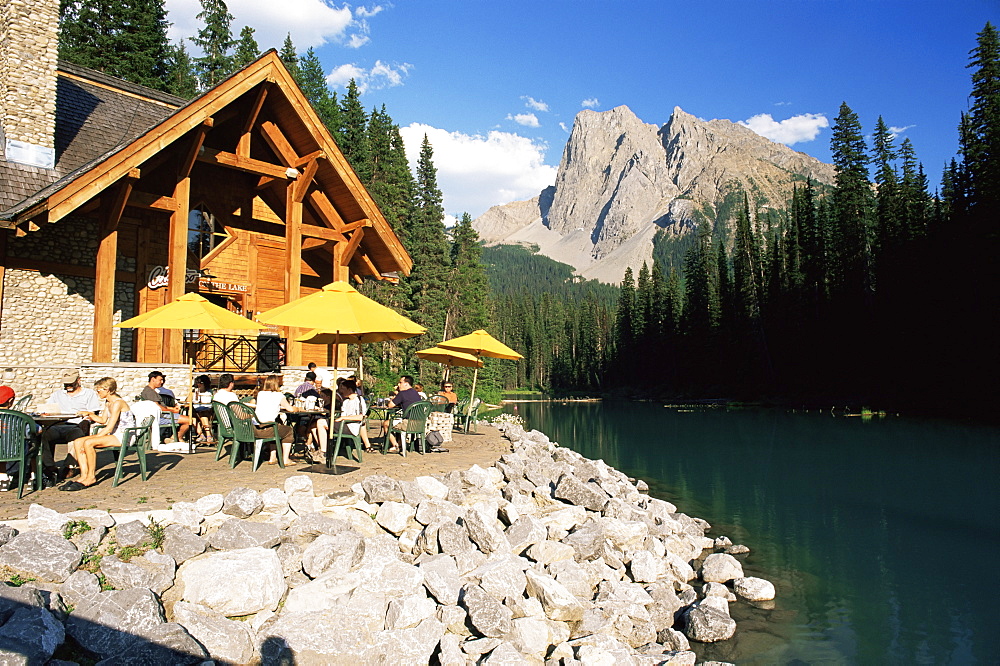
29, 45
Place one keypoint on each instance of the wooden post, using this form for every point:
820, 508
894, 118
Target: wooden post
339, 275
293, 267
112, 206
173, 340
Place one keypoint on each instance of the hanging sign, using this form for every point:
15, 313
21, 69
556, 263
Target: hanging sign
159, 276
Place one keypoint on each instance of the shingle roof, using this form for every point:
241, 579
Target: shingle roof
95, 114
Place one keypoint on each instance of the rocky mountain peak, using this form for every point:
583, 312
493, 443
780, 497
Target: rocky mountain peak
620, 180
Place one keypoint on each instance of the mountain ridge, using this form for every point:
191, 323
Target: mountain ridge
621, 180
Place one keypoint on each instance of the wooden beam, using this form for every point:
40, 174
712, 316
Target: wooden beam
315, 155
357, 224
293, 268
104, 278
279, 144
315, 243
368, 265
151, 201
312, 231
197, 141
177, 265
325, 210
243, 147
247, 164
56, 268
305, 180
266, 182
352, 247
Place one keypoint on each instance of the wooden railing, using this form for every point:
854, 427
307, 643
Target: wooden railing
237, 353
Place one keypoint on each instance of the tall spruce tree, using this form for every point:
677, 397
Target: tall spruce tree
312, 81
246, 49
468, 283
625, 329
391, 182
182, 80
289, 56
215, 38
852, 208
127, 40
354, 133
981, 135
428, 247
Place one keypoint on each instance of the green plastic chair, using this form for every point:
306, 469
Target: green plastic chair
170, 401
439, 403
351, 441
18, 437
466, 415
415, 420
223, 428
243, 418
135, 439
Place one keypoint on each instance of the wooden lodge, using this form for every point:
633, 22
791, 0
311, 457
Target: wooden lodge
240, 194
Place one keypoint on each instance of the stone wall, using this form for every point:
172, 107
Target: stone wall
48, 319
29, 41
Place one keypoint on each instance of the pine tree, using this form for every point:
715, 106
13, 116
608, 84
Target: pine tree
127, 40
429, 249
181, 76
215, 38
915, 201
470, 288
312, 81
246, 50
354, 133
643, 304
981, 135
888, 200
391, 182
290, 57
625, 333
852, 208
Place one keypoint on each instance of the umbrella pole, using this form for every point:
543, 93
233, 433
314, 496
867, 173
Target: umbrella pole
475, 377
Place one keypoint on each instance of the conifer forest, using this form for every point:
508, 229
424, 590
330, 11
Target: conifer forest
881, 290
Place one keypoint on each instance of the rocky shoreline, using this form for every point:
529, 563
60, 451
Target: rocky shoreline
543, 557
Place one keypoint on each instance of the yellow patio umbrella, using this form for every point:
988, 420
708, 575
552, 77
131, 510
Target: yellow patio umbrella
340, 314
191, 311
480, 343
450, 357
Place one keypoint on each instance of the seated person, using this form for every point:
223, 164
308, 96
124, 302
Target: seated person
353, 409
72, 398
405, 396
225, 393
419, 388
203, 408
310, 387
324, 376
8, 471
115, 419
448, 391
268, 404
154, 392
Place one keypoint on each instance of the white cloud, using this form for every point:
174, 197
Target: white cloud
782, 103
476, 171
590, 103
535, 104
309, 22
526, 119
896, 131
792, 130
381, 75
565, 127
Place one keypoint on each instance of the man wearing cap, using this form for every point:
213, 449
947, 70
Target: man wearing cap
72, 398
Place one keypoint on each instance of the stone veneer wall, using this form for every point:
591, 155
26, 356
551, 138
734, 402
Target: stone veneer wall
29, 42
48, 318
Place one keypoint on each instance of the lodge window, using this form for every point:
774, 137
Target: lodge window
205, 232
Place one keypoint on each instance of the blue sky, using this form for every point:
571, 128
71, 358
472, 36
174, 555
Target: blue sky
496, 85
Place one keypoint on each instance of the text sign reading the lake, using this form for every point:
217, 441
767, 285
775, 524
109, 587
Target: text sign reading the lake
159, 277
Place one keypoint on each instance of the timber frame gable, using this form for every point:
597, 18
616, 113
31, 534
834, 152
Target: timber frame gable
254, 152
256, 122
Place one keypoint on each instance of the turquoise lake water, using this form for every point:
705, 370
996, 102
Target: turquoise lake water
881, 536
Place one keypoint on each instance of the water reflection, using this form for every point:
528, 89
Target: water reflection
879, 535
